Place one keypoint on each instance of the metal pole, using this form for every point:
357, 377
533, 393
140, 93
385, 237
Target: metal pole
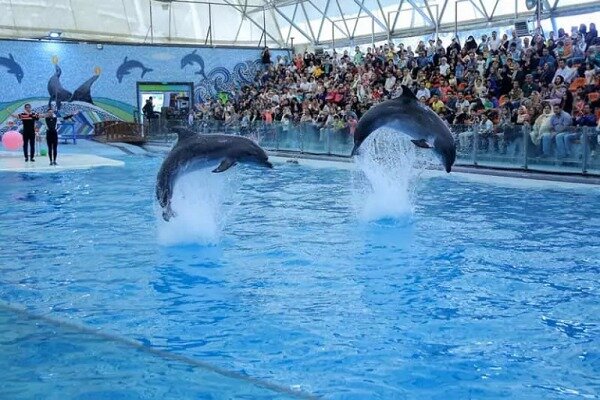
585, 137
526, 130
455, 18
373, 33
151, 23
333, 40
516, 9
475, 146
265, 26
210, 22
293, 50
333, 36
437, 22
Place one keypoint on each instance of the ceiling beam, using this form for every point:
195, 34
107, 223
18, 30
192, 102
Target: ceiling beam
421, 13
325, 17
312, 33
343, 19
245, 15
292, 23
370, 14
393, 28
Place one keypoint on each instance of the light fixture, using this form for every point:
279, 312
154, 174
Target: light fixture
55, 34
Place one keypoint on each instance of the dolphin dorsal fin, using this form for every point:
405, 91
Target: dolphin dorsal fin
407, 93
194, 52
183, 133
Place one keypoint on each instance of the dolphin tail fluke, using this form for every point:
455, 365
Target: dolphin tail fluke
225, 165
145, 70
168, 213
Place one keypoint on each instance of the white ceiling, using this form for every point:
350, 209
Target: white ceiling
242, 22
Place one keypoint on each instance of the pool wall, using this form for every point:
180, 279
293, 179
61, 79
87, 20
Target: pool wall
34, 68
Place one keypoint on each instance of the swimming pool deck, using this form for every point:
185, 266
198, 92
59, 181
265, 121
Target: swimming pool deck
84, 155
90, 154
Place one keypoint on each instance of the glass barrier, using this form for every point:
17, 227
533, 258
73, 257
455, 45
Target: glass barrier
508, 146
46, 359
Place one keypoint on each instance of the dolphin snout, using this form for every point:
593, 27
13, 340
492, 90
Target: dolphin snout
268, 164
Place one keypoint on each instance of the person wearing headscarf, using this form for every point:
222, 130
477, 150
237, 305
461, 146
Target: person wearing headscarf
541, 125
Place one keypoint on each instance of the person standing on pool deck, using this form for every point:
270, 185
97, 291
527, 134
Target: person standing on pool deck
52, 133
28, 119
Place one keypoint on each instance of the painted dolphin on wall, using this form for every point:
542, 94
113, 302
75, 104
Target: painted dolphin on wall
191, 59
84, 92
128, 65
194, 151
13, 67
407, 115
57, 93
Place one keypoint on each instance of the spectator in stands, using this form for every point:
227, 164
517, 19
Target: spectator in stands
541, 125
559, 122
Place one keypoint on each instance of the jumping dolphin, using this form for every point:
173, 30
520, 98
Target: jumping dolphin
13, 67
83, 92
406, 114
58, 94
191, 59
194, 151
128, 65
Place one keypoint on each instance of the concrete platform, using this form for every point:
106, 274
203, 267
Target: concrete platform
12, 163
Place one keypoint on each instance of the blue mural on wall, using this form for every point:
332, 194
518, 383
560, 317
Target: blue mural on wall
128, 65
13, 67
191, 59
104, 78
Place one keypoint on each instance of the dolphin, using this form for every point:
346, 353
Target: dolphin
406, 114
193, 151
191, 59
58, 94
83, 92
128, 65
13, 67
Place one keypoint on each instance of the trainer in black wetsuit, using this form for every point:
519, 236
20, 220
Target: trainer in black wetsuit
28, 119
52, 134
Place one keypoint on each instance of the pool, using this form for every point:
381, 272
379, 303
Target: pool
489, 290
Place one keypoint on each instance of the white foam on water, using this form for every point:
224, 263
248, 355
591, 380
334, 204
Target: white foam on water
389, 168
200, 200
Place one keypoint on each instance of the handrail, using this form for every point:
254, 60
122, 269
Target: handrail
509, 146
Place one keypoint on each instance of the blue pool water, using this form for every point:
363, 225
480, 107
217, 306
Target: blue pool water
488, 292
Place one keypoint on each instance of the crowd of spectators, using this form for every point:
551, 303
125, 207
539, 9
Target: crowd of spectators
493, 84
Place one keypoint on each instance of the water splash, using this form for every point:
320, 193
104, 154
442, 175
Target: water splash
389, 167
201, 201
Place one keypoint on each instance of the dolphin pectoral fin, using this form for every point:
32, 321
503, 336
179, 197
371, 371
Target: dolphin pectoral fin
354, 150
225, 165
422, 143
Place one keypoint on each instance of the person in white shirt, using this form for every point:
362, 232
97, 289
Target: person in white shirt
565, 71
444, 67
495, 41
390, 82
423, 92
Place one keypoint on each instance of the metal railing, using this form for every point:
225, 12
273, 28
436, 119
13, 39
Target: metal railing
518, 147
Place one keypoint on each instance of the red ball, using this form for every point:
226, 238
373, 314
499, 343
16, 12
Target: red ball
12, 140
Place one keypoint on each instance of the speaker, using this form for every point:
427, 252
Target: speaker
522, 28
531, 4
